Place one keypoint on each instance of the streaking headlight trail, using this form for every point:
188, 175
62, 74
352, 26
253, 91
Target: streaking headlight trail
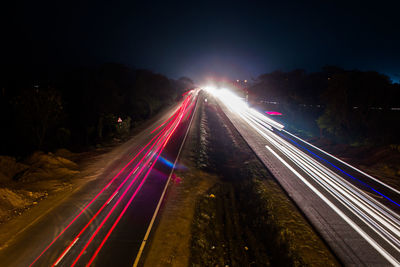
236, 104
350, 197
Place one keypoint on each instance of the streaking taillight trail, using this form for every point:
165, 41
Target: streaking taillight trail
159, 149
133, 196
157, 144
112, 196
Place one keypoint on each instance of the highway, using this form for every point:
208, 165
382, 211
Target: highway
105, 222
355, 213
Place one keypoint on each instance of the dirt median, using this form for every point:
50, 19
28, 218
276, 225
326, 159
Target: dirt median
224, 209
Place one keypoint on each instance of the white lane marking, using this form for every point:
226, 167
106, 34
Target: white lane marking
146, 236
108, 202
378, 248
65, 253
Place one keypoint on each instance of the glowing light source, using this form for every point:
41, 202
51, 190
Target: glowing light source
239, 106
379, 219
210, 89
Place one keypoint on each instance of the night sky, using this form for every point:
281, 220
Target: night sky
199, 39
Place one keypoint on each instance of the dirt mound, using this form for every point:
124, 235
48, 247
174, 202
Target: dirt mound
14, 201
9, 168
24, 185
49, 166
65, 153
10, 199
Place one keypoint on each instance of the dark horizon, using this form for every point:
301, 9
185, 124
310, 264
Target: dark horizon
235, 40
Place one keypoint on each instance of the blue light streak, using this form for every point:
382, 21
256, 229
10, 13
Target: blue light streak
342, 171
166, 162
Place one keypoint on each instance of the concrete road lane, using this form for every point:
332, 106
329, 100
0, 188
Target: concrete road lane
347, 208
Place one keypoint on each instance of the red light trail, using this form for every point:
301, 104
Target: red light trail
159, 141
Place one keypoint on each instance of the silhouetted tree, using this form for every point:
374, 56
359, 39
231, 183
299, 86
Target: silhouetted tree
353, 99
38, 112
357, 104
78, 107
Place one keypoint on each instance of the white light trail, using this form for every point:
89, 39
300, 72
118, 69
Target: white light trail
383, 252
345, 163
383, 221
65, 252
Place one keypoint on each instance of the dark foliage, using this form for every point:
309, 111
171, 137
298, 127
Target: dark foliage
78, 107
348, 106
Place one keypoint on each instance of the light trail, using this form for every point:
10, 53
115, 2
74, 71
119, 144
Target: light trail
131, 199
150, 226
387, 256
370, 212
119, 200
159, 149
65, 253
345, 163
156, 137
119, 187
109, 200
362, 205
93, 200
384, 222
176, 113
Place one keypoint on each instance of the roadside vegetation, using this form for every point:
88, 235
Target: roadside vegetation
47, 114
78, 107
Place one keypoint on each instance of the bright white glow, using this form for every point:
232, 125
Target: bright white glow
238, 105
355, 206
234, 102
210, 89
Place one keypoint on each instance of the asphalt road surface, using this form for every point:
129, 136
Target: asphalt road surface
105, 222
355, 213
